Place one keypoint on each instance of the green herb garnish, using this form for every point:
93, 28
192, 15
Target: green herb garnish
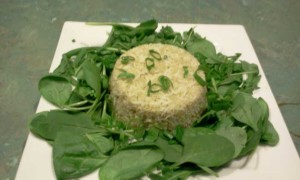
126, 59
155, 54
185, 71
149, 63
165, 83
153, 88
125, 75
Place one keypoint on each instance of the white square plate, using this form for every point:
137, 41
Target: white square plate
276, 163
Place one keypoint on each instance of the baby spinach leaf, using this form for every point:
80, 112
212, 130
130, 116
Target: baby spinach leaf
65, 67
172, 152
146, 27
265, 110
74, 98
48, 124
92, 76
130, 163
236, 135
83, 90
203, 46
80, 57
200, 148
253, 77
270, 135
117, 29
152, 134
253, 138
74, 155
166, 32
121, 35
55, 89
103, 144
38, 124
224, 120
178, 132
246, 109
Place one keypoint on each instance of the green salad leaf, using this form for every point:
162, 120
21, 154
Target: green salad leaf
74, 155
55, 89
200, 148
130, 163
48, 124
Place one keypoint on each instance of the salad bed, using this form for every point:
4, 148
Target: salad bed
85, 135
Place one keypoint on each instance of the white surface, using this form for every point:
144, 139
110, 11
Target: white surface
275, 163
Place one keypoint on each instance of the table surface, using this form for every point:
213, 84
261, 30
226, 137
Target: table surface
29, 31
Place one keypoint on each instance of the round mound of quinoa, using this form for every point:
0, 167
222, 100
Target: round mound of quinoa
139, 69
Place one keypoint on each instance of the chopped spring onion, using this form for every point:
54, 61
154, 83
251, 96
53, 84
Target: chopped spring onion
125, 75
126, 59
155, 54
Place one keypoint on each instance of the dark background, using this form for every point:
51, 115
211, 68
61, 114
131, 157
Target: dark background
29, 32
